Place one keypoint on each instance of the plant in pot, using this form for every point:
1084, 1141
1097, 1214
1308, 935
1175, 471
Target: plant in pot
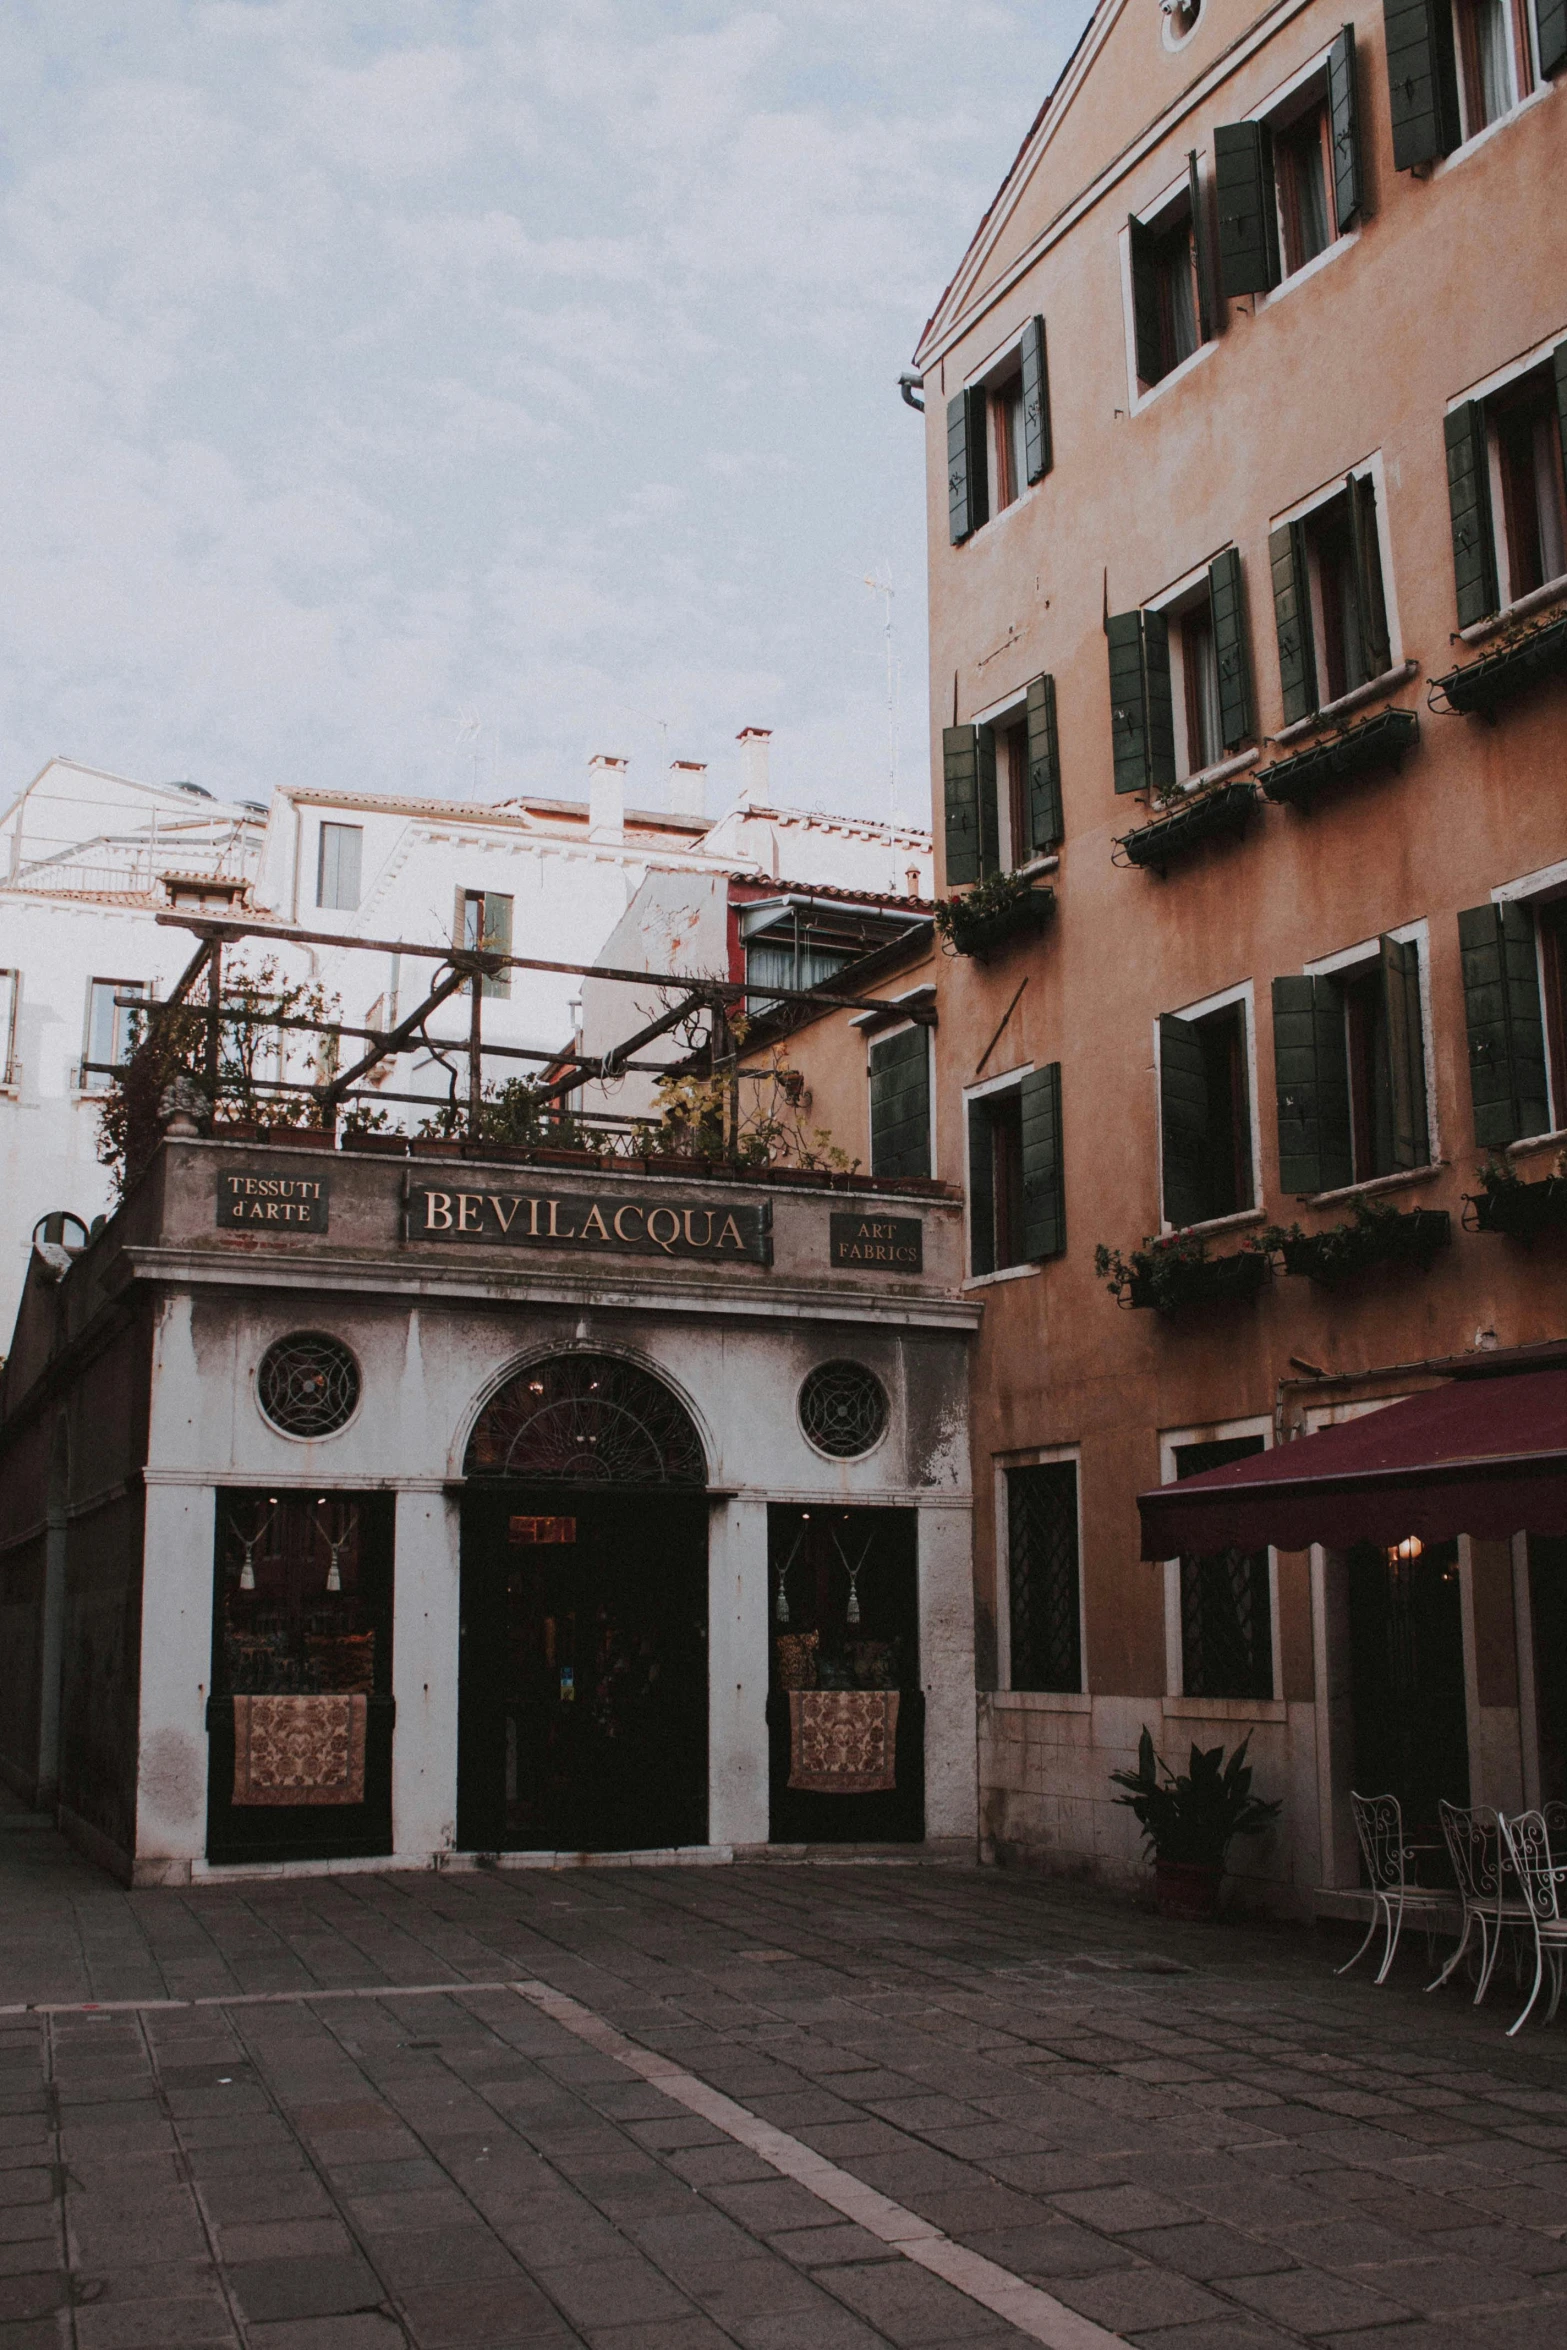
1191, 1821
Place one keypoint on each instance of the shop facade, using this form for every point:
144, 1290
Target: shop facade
363, 1508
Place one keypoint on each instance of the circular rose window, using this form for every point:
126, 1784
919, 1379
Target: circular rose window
1180, 21
308, 1385
843, 1409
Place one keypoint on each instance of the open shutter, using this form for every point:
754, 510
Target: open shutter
1038, 456
497, 937
1044, 1191
1142, 715
1207, 293
1422, 80
968, 481
960, 770
981, 1191
1506, 1029
1349, 193
1366, 550
1406, 1052
1248, 211
1469, 496
1559, 370
1183, 1121
1550, 24
1311, 1072
1147, 330
1044, 768
1229, 645
900, 1103
989, 806
1292, 619
1161, 702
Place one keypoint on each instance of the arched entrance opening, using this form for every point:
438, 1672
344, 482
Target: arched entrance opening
583, 1669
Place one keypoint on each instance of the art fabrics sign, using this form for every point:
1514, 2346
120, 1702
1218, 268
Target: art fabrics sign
878, 1244
260, 1200
737, 1234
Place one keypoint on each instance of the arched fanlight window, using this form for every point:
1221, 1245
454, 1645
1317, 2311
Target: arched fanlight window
587, 1420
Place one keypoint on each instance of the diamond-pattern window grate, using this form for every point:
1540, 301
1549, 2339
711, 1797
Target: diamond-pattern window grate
1226, 1605
308, 1384
587, 1419
1044, 1615
843, 1409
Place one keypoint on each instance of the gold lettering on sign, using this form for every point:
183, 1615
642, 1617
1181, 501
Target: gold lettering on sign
534, 1206
630, 1209
438, 1211
666, 1241
502, 1219
729, 1226
594, 1223
465, 1201
706, 1240
555, 1232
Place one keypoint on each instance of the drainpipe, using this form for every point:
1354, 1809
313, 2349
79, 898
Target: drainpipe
909, 384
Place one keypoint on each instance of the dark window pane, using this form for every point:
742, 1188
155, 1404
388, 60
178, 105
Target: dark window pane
1042, 1577
1226, 1604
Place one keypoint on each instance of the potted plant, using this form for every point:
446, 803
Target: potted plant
1191, 1821
1003, 906
1174, 1269
1505, 1203
1377, 1234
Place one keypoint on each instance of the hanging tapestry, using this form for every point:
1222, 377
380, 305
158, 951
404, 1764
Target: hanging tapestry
843, 1741
294, 1750
797, 1659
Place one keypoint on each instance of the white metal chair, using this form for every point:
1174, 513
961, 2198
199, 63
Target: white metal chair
1379, 1823
1544, 1881
1477, 1847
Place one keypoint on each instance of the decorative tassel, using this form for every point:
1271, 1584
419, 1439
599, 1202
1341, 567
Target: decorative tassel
247, 1575
781, 1606
334, 1581
851, 1614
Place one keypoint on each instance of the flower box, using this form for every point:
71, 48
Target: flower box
1335, 1256
1509, 669
390, 1146
1212, 1281
1208, 815
989, 918
1379, 741
296, 1138
1520, 1210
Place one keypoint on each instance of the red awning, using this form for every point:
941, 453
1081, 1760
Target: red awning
1485, 1457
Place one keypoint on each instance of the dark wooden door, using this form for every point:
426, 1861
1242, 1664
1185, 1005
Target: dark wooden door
1407, 1679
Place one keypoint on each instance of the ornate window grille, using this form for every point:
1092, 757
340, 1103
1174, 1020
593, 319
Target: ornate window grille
308, 1384
587, 1419
843, 1409
1226, 1604
1046, 1631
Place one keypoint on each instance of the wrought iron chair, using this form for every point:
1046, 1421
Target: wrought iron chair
1544, 1881
1379, 1823
1477, 1847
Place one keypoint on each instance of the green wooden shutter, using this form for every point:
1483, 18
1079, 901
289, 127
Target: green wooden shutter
1366, 551
1183, 1121
1044, 1189
968, 479
989, 808
1349, 194
1128, 701
1506, 1029
1469, 497
1207, 298
497, 937
1248, 210
981, 1191
1044, 768
1292, 619
900, 1103
1311, 1072
1422, 80
1161, 702
1559, 370
960, 771
1550, 24
1147, 327
1229, 644
1038, 456
1406, 1052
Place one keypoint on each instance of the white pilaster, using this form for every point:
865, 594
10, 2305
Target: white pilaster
737, 1673
424, 1676
946, 1595
176, 1668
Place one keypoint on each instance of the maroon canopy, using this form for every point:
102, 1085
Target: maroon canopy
1485, 1457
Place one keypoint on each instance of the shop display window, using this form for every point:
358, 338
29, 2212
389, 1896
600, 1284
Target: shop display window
304, 1597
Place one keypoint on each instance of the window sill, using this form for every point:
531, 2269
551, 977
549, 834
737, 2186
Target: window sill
1375, 1185
1389, 682
1046, 864
1005, 1273
1461, 154
1216, 1224
1536, 601
1225, 1709
1039, 1701
1145, 399
1310, 269
1554, 1141
1219, 772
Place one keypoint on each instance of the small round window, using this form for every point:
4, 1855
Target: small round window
843, 1409
1180, 21
308, 1385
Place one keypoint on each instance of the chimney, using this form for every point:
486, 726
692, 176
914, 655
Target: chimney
606, 798
687, 794
753, 741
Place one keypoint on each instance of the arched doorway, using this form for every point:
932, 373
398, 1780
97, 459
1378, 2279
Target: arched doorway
583, 1667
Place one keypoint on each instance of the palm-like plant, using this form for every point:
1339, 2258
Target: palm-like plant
1194, 1817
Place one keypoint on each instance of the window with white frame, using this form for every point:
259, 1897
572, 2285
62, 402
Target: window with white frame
1001, 784
1495, 59
1180, 680
1207, 1143
1330, 598
1044, 1594
1288, 179
1514, 957
998, 434
1222, 1612
113, 1029
482, 923
339, 863
1506, 487
898, 1069
1167, 263
1349, 1046
1016, 1182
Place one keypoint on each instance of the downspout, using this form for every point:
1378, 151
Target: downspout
909, 384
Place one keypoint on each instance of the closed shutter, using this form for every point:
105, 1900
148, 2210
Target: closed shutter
497, 938
1506, 1028
1292, 619
1469, 497
1038, 455
1366, 550
1142, 716
1229, 646
960, 773
1147, 323
1044, 1187
989, 807
1406, 1052
1248, 211
1550, 23
1183, 1121
968, 482
1044, 768
981, 1191
900, 1104
1344, 129
1422, 80
1207, 294
1559, 370
1311, 1071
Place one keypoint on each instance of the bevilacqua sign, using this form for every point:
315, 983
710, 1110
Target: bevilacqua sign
628, 1226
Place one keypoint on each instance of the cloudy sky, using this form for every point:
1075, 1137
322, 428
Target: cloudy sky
425, 394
